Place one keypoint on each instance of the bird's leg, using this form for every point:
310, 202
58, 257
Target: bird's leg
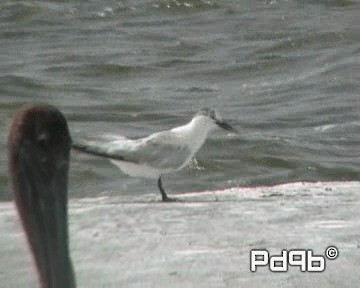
162, 191
165, 198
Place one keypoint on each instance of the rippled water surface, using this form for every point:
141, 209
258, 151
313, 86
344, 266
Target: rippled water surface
285, 73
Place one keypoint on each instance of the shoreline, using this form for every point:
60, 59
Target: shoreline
204, 241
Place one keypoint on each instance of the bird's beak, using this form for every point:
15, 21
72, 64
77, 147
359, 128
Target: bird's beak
225, 126
42, 203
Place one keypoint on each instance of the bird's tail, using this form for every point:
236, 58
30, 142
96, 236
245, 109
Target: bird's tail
97, 151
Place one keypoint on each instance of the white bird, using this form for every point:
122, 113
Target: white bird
163, 152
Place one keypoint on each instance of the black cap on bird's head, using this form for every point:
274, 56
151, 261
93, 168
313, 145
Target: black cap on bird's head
212, 114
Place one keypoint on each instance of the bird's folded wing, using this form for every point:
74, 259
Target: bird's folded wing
158, 152
159, 155
97, 150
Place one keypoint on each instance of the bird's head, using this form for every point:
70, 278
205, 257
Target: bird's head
211, 119
40, 134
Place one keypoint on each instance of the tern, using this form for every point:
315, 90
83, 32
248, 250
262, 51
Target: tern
39, 146
162, 152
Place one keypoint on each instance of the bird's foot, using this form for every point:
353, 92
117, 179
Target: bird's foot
170, 199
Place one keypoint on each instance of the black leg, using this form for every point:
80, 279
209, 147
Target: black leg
162, 191
165, 198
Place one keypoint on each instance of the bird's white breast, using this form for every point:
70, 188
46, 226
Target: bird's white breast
137, 170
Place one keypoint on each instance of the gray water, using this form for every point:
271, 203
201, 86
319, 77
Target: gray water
285, 73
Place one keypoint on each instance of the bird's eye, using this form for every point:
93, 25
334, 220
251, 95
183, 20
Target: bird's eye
43, 141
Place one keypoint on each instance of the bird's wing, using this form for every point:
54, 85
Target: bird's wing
162, 151
159, 150
97, 149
